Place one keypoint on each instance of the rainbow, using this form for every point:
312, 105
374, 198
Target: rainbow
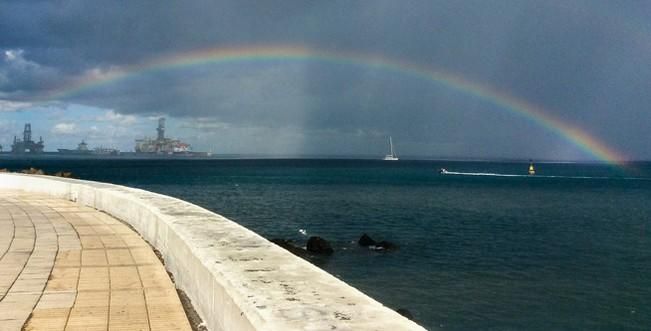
576, 136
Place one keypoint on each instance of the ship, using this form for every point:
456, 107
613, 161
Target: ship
106, 151
82, 149
164, 146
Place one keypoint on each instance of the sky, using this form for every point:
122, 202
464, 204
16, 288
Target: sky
583, 64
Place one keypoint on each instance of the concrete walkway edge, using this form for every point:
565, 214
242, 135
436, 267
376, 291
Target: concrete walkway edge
236, 279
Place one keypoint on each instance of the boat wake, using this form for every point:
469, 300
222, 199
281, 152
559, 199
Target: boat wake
490, 174
483, 174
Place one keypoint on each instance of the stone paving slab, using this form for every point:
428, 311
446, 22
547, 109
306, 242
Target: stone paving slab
68, 267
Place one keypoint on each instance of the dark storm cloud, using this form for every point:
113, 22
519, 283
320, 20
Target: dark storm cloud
582, 61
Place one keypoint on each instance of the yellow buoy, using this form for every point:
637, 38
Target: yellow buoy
532, 171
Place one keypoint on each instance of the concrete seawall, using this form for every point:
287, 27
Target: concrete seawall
236, 279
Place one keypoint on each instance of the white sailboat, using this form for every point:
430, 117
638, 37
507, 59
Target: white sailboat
392, 155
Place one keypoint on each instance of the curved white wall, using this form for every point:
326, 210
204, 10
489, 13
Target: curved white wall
236, 279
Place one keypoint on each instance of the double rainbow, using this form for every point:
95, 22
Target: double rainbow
574, 135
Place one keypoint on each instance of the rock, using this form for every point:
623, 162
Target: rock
366, 241
289, 245
64, 174
319, 245
406, 313
284, 243
33, 171
386, 245
318, 258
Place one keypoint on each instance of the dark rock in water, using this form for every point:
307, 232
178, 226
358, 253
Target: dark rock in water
386, 245
366, 241
319, 245
318, 259
406, 313
284, 243
289, 245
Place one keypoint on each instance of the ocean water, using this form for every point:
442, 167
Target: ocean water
568, 249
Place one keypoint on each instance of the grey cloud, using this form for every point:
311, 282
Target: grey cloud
20, 76
583, 62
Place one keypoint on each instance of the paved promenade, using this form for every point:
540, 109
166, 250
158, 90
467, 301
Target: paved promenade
68, 267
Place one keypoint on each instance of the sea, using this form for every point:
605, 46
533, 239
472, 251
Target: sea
484, 247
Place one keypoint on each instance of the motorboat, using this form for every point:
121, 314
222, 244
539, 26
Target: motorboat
532, 170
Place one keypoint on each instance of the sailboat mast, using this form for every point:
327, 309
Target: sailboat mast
392, 155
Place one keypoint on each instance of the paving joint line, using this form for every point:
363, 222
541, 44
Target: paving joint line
142, 285
27, 260
50, 272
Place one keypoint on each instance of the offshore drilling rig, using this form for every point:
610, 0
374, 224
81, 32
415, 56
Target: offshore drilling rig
27, 145
163, 145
